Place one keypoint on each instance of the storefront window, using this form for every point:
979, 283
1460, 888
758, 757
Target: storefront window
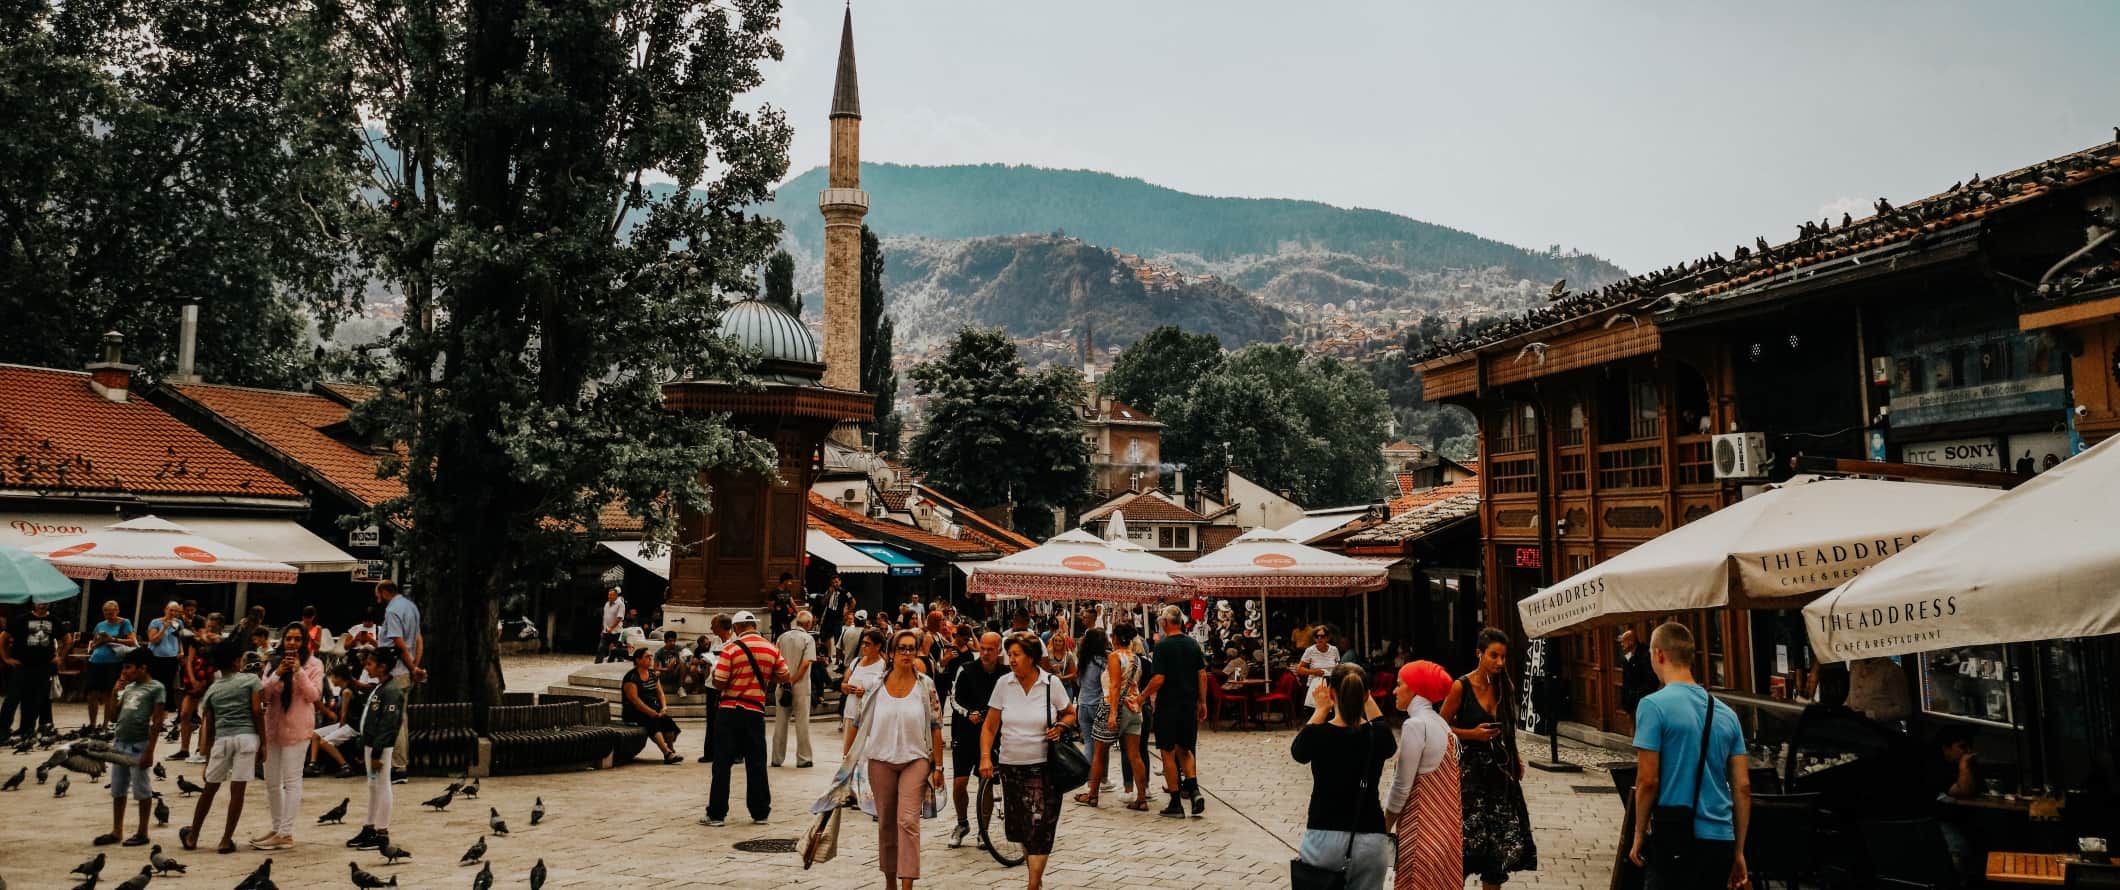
1973, 682
1781, 655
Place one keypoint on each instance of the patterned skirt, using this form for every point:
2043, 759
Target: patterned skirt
1031, 809
1431, 842
1497, 823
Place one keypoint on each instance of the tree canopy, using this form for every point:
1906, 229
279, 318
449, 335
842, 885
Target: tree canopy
996, 434
1313, 426
1166, 362
779, 282
878, 374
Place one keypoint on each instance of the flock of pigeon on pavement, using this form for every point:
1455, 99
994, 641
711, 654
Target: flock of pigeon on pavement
88, 753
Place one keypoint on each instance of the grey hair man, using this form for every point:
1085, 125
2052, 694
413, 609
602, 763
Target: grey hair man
799, 646
1179, 689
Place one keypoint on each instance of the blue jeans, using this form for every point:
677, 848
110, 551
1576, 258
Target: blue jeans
1365, 869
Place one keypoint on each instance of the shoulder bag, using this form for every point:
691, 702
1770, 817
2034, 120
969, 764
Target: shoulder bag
1673, 823
1065, 767
1304, 876
765, 683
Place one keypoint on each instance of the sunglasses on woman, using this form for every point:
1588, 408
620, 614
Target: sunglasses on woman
909, 650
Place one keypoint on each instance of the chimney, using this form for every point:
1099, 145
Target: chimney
111, 378
1104, 406
1177, 483
187, 345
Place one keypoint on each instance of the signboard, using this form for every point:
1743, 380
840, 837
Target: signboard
1530, 558
2034, 453
371, 570
1978, 453
365, 536
1946, 368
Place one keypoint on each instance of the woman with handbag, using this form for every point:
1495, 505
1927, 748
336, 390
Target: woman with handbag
1423, 802
1345, 845
1028, 712
1491, 773
897, 734
866, 671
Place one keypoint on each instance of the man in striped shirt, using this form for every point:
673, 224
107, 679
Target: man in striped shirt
746, 672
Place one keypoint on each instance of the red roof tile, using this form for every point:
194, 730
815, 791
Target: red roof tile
1416, 500
831, 513
1003, 539
351, 392
1145, 506
57, 434
292, 425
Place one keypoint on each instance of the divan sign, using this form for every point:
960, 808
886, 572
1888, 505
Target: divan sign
33, 529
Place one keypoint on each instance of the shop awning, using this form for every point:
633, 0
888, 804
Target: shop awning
844, 559
899, 564
630, 552
278, 540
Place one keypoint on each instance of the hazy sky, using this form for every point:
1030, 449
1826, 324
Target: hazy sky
1647, 132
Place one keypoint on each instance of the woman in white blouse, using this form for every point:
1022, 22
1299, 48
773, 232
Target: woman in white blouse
865, 674
898, 732
1423, 802
1029, 708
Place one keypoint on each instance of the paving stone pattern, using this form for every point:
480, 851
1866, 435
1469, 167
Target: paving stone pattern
637, 826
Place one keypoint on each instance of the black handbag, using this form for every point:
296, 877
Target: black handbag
1304, 876
1672, 823
1066, 769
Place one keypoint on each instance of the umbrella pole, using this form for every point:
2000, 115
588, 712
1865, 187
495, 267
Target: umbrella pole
88, 588
242, 597
140, 601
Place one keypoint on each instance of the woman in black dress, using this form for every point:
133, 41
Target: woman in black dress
644, 704
1497, 823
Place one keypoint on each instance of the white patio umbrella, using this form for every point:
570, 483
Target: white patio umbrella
153, 549
1263, 562
2041, 562
1076, 565
1772, 550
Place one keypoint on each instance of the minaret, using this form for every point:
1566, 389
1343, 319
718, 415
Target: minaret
843, 204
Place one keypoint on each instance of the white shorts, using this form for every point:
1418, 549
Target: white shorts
234, 759
336, 734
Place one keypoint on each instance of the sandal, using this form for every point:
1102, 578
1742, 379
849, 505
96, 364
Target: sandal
227, 847
185, 838
672, 758
1138, 806
105, 840
1086, 799
138, 840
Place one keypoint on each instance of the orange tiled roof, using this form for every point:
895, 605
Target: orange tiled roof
1145, 506
829, 529
292, 424
613, 518
831, 513
58, 435
1004, 540
351, 392
1418, 499
1406, 486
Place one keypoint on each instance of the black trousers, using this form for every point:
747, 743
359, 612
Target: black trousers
607, 649
706, 743
29, 687
740, 731
1688, 864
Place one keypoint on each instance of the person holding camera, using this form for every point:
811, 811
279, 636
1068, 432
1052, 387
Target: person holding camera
294, 681
114, 638
166, 639
1345, 748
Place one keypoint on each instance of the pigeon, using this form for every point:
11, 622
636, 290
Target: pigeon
27, 743
44, 773
92, 868
163, 864
537, 875
259, 879
184, 786
484, 881
454, 787
161, 772
59, 790
15, 781
470, 790
393, 853
441, 803
537, 813
139, 881
367, 881
161, 810
89, 884
476, 853
336, 815
494, 821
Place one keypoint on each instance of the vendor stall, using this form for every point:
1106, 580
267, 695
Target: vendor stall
1263, 563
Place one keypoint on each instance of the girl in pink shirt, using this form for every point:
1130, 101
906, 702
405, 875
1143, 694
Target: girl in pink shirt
294, 681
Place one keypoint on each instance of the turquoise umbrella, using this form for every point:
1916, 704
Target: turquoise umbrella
29, 579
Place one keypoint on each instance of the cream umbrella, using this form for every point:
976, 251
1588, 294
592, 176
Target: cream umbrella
1076, 565
153, 549
2041, 562
1772, 550
1263, 562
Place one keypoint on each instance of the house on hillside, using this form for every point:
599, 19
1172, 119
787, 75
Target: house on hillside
1126, 447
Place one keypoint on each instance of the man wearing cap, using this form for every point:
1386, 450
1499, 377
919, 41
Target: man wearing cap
608, 647
745, 673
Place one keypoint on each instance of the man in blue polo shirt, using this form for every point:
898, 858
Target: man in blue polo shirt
1668, 727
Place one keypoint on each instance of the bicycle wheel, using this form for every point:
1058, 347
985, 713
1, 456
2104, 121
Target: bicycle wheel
993, 824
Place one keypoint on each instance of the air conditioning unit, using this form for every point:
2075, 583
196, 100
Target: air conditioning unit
1741, 456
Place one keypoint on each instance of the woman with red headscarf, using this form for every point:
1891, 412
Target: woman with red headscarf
1423, 802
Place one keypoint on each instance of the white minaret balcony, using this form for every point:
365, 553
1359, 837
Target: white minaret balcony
831, 199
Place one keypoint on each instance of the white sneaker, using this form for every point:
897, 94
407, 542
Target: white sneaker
957, 835
1107, 788
195, 758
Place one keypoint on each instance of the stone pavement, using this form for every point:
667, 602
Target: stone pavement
637, 825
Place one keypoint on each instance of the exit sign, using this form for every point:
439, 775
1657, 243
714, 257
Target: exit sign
1530, 558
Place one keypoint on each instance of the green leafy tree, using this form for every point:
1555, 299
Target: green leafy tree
996, 434
1166, 362
1311, 426
878, 375
550, 291
780, 283
157, 153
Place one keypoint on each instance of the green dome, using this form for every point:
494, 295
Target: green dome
787, 351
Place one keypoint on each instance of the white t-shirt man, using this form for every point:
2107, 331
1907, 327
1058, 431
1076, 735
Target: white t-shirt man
1323, 661
614, 614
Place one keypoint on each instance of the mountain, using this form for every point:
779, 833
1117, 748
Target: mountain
1310, 259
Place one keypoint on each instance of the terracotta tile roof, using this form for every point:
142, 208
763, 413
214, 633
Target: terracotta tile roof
1420, 521
1417, 499
58, 435
1707, 277
829, 529
350, 392
1145, 506
616, 521
894, 498
857, 525
1406, 484
292, 424
1003, 539
1124, 413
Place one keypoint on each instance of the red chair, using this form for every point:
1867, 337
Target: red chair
1220, 699
1283, 697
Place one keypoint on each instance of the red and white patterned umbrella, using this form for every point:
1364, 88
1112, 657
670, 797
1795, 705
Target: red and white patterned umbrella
1264, 562
153, 549
1076, 565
